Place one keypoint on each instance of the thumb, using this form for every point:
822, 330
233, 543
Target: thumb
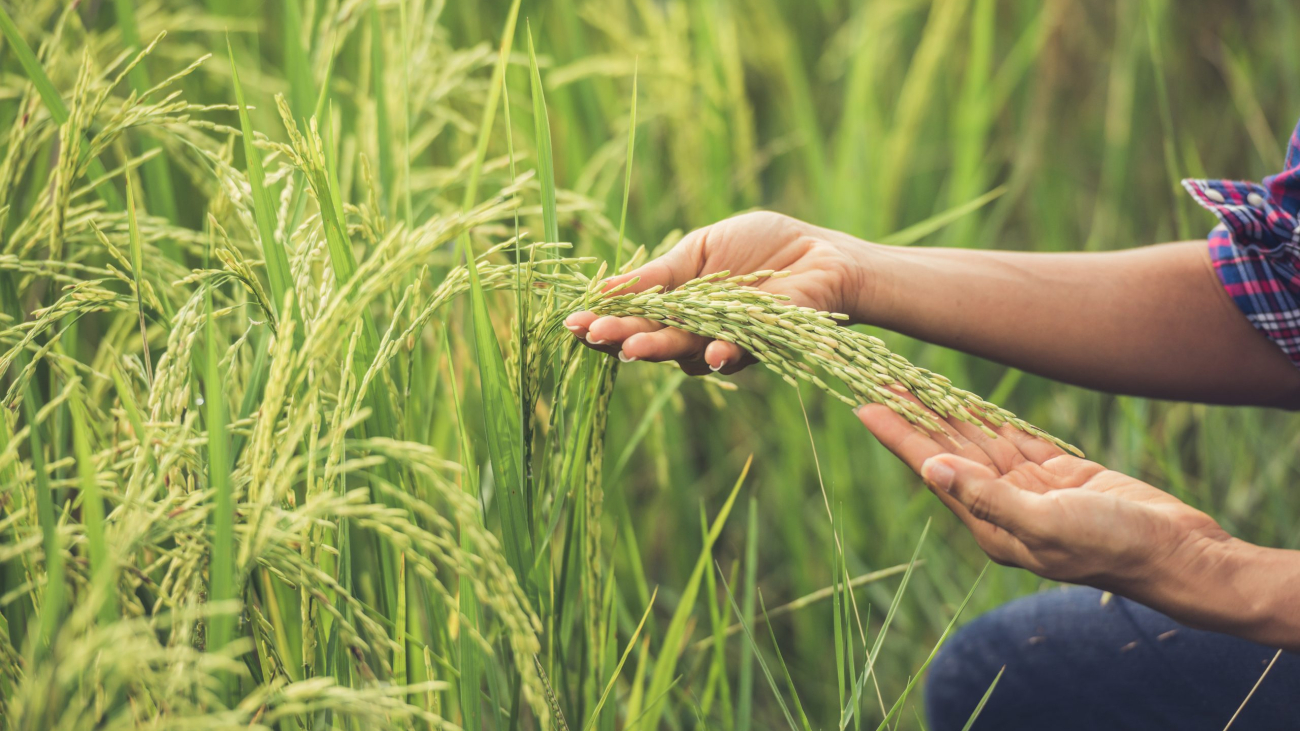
985, 495
680, 265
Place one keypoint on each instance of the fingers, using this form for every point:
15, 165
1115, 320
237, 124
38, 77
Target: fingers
680, 265
726, 358
1034, 449
986, 496
899, 436
1004, 454
613, 331
664, 345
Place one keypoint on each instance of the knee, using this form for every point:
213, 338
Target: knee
960, 675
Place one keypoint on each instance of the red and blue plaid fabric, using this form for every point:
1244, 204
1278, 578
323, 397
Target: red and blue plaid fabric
1256, 247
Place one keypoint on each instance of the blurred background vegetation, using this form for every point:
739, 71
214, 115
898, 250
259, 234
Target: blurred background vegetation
867, 116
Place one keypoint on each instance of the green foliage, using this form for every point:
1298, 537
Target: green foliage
219, 513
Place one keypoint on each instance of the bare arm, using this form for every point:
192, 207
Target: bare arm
1153, 321
1030, 505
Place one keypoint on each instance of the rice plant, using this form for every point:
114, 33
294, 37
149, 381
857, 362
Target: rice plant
293, 435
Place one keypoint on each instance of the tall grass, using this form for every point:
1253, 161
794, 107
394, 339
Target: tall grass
293, 437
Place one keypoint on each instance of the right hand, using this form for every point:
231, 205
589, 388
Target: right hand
826, 273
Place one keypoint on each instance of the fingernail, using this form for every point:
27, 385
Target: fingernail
718, 367
938, 474
595, 342
574, 328
625, 357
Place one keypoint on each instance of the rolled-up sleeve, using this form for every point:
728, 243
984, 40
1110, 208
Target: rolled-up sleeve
1256, 247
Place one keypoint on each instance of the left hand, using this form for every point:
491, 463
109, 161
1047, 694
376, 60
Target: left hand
1031, 505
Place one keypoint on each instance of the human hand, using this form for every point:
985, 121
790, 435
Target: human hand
826, 273
1031, 505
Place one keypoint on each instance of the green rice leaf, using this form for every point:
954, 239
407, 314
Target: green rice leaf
745, 679
501, 415
297, 66
137, 273
920, 673
674, 638
850, 710
277, 259
979, 707
92, 509
54, 597
222, 568
767, 672
490, 107
918, 231
618, 669
545, 160
627, 174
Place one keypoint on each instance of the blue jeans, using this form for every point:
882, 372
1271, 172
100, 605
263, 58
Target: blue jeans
1074, 663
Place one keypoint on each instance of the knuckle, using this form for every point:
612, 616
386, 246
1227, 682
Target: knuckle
979, 503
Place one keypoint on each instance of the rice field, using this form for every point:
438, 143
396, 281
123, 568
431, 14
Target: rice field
294, 437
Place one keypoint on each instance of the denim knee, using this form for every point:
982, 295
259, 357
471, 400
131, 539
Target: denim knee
960, 675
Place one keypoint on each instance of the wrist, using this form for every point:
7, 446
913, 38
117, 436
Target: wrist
1227, 585
873, 298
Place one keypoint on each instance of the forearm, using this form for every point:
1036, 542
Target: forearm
1231, 587
1152, 321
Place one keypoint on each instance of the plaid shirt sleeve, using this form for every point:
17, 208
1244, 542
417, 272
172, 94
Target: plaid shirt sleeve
1256, 247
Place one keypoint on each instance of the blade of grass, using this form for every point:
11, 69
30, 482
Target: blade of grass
898, 704
222, 570
545, 161
277, 260
399, 624
789, 681
297, 67
979, 707
501, 417
662, 677
850, 711
618, 669
54, 598
406, 115
92, 510
745, 694
918, 231
627, 173
379, 89
771, 681
490, 108
137, 273
812, 598
467, 603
